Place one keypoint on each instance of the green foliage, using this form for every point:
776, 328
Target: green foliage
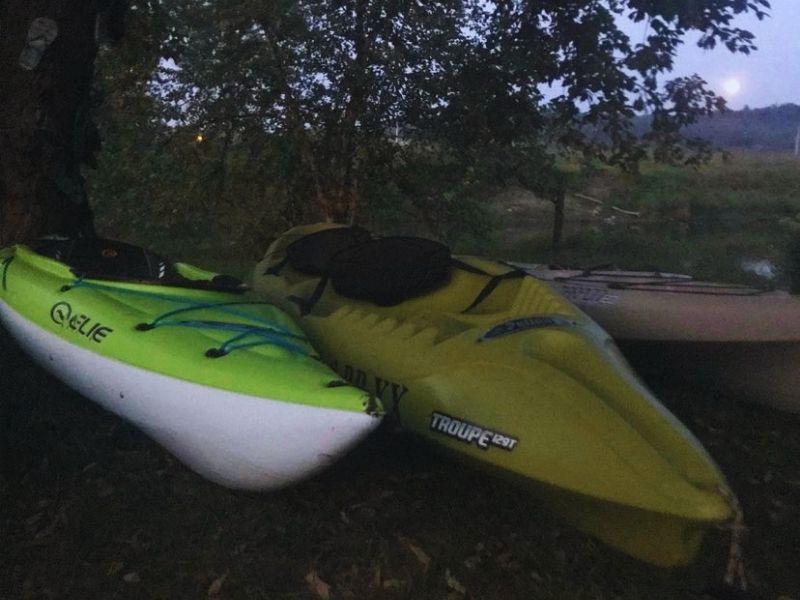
790, 265
705, 221
770, 129
367, 110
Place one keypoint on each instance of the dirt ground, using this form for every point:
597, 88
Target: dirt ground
91, 508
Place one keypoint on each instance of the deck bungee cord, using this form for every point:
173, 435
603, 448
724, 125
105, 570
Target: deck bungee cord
269, 332
735, 572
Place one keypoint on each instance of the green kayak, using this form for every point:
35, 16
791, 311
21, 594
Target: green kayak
226, 382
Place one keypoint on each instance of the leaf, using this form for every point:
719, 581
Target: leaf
376, 580
453, 583
317, 585
216, 585
418, 552
472, 562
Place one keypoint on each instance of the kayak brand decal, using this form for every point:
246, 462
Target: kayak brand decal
383, 388
469, 433
523, 324
61, 314
588, 294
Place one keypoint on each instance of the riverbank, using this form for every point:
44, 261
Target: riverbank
731, 220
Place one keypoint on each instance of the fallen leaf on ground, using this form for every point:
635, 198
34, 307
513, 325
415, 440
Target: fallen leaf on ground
34, 519
317, 585
216, 585
453, 583
376, 580
104, 490
418, 552
472, 562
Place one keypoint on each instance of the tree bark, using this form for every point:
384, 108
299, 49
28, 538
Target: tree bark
558, 218
46, 132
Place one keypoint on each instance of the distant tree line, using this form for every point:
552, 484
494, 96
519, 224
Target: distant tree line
769, 129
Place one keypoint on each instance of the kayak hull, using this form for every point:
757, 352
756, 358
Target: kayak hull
238, 441
523, 385
736, 340
260, 415
766, 373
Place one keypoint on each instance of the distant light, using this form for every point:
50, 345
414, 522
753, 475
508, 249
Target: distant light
732, 86
199, 138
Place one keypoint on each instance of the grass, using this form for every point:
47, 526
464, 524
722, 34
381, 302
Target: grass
711, 256
91, 508
758, 182
701, 221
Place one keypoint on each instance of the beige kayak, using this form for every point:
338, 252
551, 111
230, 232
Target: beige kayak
740, 340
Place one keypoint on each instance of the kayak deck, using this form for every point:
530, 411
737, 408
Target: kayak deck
518, 381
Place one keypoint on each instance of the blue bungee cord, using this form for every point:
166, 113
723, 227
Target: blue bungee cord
268, 336
268, 332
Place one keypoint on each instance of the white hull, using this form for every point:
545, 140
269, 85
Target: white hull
767, 373
238, 441
740, 341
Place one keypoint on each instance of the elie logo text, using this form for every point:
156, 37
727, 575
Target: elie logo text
62, 314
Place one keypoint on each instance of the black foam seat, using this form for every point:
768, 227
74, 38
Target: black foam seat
312, 254
390, 270
98, 258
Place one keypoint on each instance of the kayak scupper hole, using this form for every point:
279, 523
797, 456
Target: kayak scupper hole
215, 353
145, 327
337, 383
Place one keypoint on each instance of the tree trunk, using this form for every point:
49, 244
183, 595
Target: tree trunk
558, 218
45, 127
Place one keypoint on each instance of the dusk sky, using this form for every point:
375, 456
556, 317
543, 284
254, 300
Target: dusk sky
769, 76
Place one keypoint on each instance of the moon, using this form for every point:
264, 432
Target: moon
732, 86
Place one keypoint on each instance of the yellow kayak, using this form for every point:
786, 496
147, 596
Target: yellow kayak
493, 365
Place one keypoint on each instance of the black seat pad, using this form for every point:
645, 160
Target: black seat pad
97, 258
390, 270
312, 254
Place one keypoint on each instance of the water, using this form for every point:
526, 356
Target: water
725, 246
762, 267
